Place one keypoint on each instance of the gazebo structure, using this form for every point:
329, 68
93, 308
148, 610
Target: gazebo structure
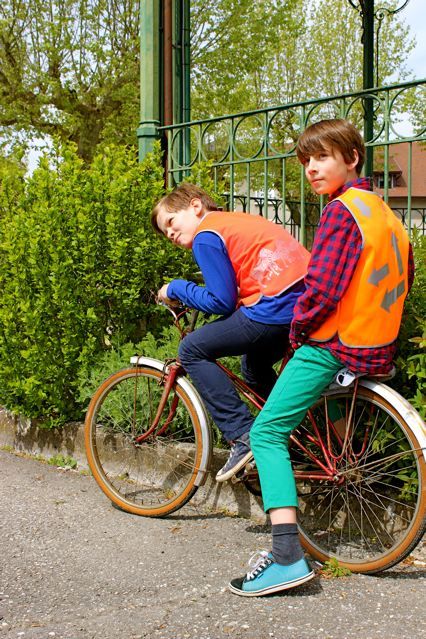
165, 67
166, 114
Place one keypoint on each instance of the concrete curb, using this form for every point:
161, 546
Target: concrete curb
24, 436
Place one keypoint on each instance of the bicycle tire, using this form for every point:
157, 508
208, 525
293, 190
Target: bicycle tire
374, 513
157, 476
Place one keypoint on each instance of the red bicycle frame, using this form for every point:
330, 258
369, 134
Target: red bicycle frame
325, 460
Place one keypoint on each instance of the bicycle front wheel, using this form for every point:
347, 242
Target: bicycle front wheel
149, 474
371, 513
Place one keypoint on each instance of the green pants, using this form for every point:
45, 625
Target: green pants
300, 385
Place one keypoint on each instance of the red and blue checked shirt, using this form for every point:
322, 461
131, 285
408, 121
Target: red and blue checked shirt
335, 253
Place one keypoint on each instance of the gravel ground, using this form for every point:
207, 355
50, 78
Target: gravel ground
74, 567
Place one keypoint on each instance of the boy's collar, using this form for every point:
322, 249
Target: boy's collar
360, 183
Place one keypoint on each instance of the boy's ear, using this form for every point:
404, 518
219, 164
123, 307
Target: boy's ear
197, 206
355, 155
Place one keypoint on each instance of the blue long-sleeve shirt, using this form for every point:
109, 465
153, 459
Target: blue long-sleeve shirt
219, 296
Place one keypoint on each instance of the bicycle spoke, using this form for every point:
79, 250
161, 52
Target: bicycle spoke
390, 499
365, 504
142, 469
376, 463
367, 513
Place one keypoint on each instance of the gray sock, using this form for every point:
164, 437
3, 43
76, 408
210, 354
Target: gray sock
286, 548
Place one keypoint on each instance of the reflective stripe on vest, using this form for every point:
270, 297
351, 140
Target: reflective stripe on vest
369, 313
266, 259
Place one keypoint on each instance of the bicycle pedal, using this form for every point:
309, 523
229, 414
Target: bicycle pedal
238, 477
247, 471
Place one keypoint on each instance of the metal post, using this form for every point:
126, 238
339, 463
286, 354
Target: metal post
368, 79
147, 131
368, 13
186, 77
178, 146
168, 62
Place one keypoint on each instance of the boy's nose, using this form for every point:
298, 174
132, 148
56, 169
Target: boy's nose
311, 165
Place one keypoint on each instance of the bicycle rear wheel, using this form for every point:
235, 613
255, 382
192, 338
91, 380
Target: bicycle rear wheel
371, 514
155, 475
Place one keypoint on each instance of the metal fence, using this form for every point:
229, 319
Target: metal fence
252, 160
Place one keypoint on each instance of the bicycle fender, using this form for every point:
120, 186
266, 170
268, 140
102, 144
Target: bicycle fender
404, 408
191, 391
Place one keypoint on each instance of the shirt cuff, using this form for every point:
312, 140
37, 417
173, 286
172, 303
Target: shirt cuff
297, 337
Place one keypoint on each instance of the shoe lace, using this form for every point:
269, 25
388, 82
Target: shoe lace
257, 562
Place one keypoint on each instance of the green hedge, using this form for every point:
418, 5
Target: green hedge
78, 265
411, 363
410, 379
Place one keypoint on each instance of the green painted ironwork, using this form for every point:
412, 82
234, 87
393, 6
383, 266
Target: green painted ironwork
368, 78
149, 76
252, 154
182, 73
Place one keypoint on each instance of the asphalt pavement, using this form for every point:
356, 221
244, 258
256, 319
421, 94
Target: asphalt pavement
74, 567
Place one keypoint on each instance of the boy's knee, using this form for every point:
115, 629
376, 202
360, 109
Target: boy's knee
193, 349
185, 350
263, 436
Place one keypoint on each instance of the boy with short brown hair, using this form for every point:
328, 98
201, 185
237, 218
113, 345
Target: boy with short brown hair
360, 271
253, 272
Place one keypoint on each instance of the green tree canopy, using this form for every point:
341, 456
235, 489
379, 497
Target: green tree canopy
70, 69
270, 53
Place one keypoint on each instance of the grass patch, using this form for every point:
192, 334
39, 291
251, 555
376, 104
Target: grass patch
333, 570
62, 461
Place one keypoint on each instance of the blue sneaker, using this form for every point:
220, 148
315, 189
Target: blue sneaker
266, 576
239, 456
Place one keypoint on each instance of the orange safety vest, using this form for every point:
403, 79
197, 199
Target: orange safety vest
369, 313
267, 260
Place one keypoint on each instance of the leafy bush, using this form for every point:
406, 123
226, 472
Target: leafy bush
162, 347
78, 262
78, 266
411, 363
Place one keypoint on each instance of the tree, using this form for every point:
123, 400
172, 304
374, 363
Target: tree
231, 43
285, 51
69, 69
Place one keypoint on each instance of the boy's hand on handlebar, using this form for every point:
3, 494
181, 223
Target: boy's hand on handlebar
162, 297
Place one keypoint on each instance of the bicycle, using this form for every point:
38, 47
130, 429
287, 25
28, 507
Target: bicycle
359, 458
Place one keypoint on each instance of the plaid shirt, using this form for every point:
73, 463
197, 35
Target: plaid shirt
335, 253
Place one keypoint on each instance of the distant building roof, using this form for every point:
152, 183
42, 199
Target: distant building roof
398, 166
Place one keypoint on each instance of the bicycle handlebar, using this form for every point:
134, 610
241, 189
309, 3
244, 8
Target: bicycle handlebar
178, 312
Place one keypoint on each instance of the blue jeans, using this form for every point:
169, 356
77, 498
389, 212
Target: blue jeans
261, 345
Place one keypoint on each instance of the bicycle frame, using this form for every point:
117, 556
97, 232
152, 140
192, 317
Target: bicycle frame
358, 456
327, 469
326, 461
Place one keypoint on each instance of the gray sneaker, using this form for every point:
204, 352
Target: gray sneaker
239, 456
